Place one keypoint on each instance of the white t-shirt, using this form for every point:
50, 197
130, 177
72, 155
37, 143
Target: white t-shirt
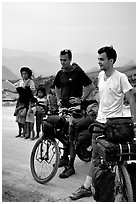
111, 94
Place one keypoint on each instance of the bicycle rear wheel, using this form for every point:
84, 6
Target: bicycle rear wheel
123, 187
44, 160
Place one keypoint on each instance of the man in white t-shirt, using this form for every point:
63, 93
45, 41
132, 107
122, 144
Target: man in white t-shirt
111, 92
112, 87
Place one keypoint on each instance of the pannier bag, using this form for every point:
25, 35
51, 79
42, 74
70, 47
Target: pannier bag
116, 152
48, 130
52, 123
119, 130
56, 121
103, 182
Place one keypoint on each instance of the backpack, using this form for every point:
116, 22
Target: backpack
131, 168
103, 182
119, 129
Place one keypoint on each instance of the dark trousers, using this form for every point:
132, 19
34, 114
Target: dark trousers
39, 121
30, 129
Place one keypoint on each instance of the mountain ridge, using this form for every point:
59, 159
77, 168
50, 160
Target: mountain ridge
8, 74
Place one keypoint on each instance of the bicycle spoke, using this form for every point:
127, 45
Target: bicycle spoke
43, 159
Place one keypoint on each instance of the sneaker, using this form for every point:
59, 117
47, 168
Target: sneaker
81, 192
63, 162
17, 136
69, 171
27, 137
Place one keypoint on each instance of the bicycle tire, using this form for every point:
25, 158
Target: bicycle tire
123, 186
44, 160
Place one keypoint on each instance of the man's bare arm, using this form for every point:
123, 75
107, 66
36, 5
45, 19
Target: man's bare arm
88, 90
131, 99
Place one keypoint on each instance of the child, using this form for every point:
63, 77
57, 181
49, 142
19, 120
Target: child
20, 113
52, 100
40, 108
30, 119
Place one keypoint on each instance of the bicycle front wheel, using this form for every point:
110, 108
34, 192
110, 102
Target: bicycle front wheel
44, 160
123, 187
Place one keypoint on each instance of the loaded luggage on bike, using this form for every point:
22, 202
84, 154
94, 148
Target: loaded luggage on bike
46, 152
115, 154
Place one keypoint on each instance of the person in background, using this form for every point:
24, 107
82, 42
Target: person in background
30, 119
26, 79
20, 112
41, 106
52, 100
25, 87
112, 86
69, 84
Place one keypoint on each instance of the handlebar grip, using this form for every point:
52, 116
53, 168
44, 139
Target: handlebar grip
96, 125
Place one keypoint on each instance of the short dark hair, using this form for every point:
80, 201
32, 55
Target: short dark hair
42, 89
110, 52
66, 51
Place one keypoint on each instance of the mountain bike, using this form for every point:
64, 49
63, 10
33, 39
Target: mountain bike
113, 158
46, 152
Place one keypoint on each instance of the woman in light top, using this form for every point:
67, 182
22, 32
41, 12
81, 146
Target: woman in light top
26, 81
25, 87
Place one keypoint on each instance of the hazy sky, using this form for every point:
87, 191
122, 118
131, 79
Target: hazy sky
79, 26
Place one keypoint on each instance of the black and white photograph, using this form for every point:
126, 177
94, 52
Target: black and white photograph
68, 101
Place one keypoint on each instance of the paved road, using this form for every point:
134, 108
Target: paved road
17, 181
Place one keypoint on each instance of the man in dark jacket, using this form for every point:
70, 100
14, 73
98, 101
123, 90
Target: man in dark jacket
69, 83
